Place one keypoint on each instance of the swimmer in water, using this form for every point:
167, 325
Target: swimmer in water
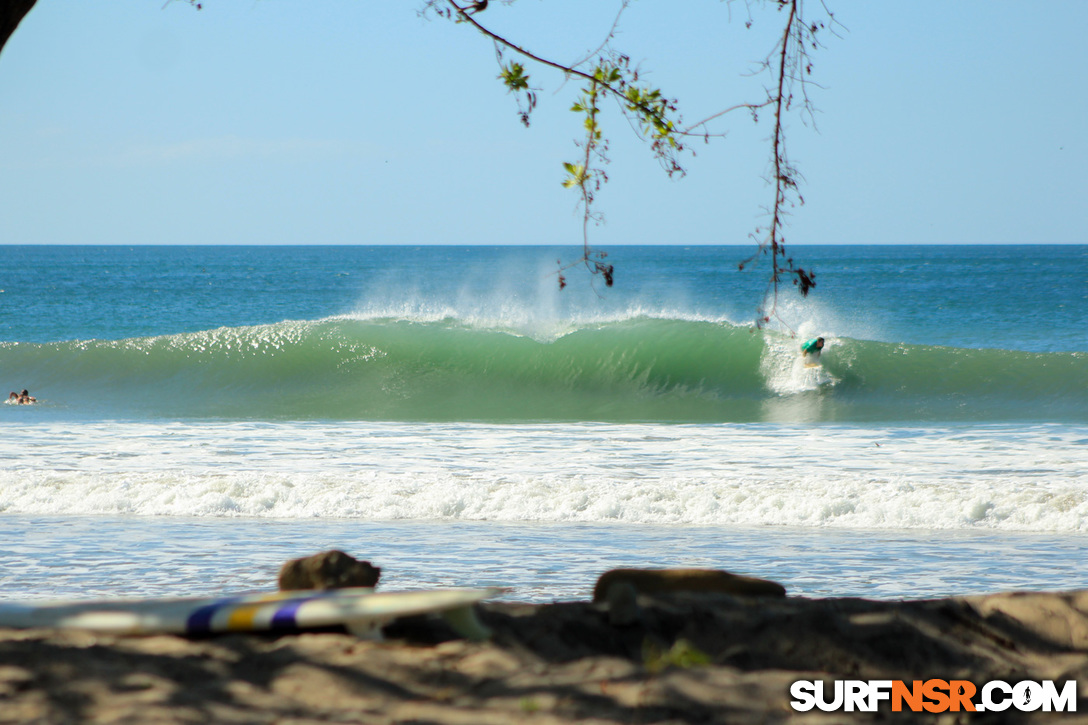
23, 398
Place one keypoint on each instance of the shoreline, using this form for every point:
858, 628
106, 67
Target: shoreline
94, 557
558, 663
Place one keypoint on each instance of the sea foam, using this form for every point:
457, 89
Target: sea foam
969, 478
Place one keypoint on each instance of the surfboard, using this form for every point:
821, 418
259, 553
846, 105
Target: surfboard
813, 365
361, 611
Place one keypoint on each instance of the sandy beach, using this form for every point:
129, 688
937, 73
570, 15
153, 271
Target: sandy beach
669, 658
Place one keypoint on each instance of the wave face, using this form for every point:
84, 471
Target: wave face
639, 368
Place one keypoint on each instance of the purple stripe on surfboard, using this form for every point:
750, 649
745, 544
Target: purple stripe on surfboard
284, 618
200, 621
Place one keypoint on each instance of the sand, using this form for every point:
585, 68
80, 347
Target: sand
571, 662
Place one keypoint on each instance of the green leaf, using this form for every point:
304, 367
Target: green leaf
513, 76
577, 175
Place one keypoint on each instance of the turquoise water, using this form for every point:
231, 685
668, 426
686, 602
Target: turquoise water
924, 334
1030, 298
230, 394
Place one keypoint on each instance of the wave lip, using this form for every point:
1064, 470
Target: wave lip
626, 368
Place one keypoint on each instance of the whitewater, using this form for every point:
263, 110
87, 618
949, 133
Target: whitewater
994, 477
206, 413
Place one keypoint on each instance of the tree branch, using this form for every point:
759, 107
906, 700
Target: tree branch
12, 13
788, 62
792, 67
620, 92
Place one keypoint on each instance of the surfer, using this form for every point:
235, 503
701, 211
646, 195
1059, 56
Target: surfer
813, 347
22, 398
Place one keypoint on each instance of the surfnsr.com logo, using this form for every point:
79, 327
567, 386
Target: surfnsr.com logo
933, 696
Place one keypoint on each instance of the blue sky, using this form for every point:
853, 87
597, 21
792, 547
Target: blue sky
357, 122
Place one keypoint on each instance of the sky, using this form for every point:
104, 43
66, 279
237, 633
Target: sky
358, 122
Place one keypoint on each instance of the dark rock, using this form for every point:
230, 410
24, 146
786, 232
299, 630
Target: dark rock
328, 570
622, 600
663, 581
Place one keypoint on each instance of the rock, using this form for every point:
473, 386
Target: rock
658, 581
328, 570
622, 599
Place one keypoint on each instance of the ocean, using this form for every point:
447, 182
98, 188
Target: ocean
206, 413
